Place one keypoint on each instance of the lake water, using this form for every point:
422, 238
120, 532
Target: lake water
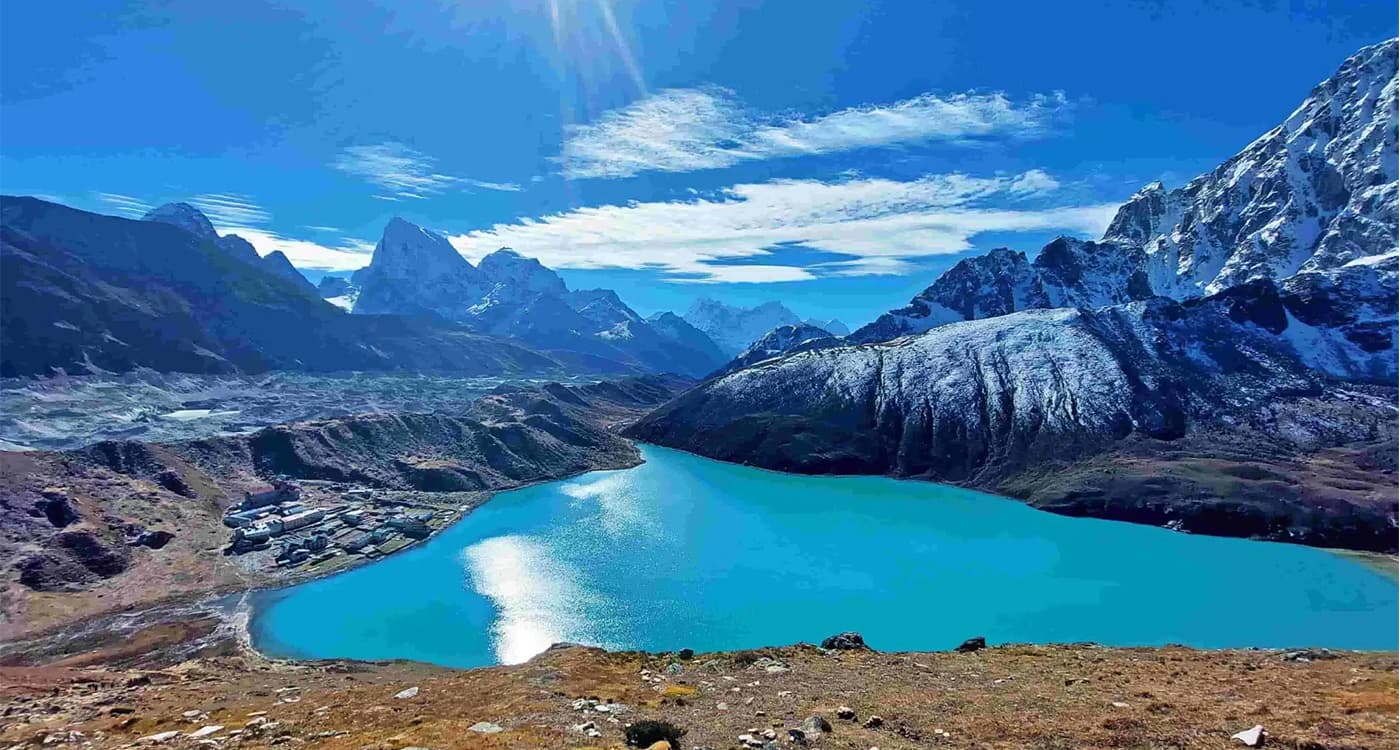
687, 552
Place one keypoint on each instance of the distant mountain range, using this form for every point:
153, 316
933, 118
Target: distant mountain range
415, 271
735, 329
1223, 360
82, 292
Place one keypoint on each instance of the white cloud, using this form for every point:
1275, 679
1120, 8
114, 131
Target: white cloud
125, 205
683, 130
230, 209
882, 223
349, 255
404, 172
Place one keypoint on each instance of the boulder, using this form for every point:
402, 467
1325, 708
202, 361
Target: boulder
845, 642
1252, 737
972, 644
816, 725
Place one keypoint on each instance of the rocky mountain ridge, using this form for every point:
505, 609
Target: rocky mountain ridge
82, 292
1315, 195
417, 271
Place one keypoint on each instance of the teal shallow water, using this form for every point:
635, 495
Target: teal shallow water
687, 552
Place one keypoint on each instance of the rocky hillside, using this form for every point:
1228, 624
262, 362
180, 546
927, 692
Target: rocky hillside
124, 523
1315, 195
418, 272
82, 292
1081, 696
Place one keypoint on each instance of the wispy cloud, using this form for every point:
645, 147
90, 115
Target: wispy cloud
882, 224
125, 205
404, 173
683, 130
230, 209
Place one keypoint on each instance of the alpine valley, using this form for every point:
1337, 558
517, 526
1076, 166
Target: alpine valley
205, 458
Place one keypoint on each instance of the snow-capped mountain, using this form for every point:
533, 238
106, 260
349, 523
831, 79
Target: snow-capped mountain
832, 326
416, 271
735, 328
1197, 367
781, 341
1120, 412
1312, 195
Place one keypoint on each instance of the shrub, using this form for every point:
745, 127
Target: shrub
647, 732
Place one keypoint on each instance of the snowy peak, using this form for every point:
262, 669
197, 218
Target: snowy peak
505, 266
406, 250
416, 271
184, 216
832, 326
1314, 193
732, 328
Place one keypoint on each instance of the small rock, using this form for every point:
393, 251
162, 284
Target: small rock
816, 725
721, 706
845, 642
686, 654
407, 693
585, 726
797, 736
769, 734
486, 727
1119, 704
192, 713
160, 737
659, 745
674, 668
846, 712
206, 731
1252, 737
874, 722
972, 644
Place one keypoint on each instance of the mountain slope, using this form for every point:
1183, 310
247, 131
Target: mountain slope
1312, 195
83, 291
780, 341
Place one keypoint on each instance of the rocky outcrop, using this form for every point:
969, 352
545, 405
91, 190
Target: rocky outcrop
278, 263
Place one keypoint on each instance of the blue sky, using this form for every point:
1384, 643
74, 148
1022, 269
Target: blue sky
834, 155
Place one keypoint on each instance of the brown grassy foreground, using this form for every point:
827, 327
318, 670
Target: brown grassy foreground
1046, 697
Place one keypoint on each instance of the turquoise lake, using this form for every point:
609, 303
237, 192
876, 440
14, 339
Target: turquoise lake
687, 552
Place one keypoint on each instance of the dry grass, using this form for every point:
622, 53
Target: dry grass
1044, 697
